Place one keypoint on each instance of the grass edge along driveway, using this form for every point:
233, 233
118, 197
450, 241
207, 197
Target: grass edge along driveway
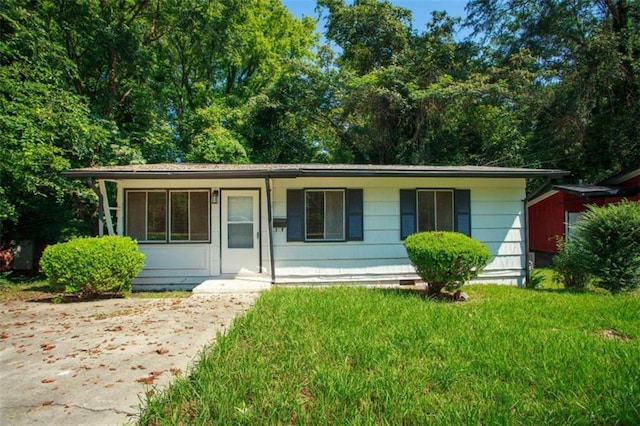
362, 356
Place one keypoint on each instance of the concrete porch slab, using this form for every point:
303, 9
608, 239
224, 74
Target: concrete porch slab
231, 285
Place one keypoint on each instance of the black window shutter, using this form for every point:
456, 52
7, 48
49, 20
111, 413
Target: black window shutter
462, 205
295, 215
407, 212
354, 214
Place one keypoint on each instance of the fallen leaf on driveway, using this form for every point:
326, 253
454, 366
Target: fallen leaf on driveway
146, 380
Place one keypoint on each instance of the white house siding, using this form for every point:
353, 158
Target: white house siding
497, 219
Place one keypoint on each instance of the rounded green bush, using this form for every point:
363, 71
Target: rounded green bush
446, 259
609, 237
90, 266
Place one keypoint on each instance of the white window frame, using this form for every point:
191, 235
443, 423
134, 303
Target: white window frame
571, 218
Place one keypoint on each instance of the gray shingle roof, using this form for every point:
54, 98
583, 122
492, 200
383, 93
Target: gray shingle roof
597, 190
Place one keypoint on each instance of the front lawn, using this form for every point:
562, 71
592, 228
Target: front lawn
362, 356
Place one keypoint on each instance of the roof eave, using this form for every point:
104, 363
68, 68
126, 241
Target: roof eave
276, 173
435, 173
196, 174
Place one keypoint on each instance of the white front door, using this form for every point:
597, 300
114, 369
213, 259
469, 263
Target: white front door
240, 231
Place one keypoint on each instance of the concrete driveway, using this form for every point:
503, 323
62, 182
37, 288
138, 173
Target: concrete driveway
90, 363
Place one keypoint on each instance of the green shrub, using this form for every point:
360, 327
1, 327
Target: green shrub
536, 279
90, 266
609, 236
446, 259
571, 265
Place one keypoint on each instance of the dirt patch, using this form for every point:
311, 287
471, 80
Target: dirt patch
93, 362
614, 335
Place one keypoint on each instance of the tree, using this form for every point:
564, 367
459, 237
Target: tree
431, 101
291, 122
110, 45
45, 130
224, 53
371, 33
589, 55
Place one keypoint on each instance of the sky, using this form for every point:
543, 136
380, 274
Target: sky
421, 9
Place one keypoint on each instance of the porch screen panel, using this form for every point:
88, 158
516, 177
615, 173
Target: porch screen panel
157, 216
136, 215
179, 216
199, 215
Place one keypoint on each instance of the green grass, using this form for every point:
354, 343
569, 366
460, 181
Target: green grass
23, 287
16, 287
358, 356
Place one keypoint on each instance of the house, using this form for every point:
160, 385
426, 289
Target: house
308, 223
555, 210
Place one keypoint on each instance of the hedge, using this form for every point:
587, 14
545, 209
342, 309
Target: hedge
446, 259
90, 266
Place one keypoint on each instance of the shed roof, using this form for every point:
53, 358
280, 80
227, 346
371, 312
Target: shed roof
594, 191
230, 171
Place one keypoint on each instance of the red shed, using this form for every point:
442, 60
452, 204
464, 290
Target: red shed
552, 213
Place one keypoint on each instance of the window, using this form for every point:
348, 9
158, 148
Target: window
570, 224
168, 215
324, 215
434, 210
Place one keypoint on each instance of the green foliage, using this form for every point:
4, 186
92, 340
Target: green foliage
45, 129
608, 238
90, 266
587, 58
571, 265
423, 97
371, 33
446, 259
536, 279
217, 146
